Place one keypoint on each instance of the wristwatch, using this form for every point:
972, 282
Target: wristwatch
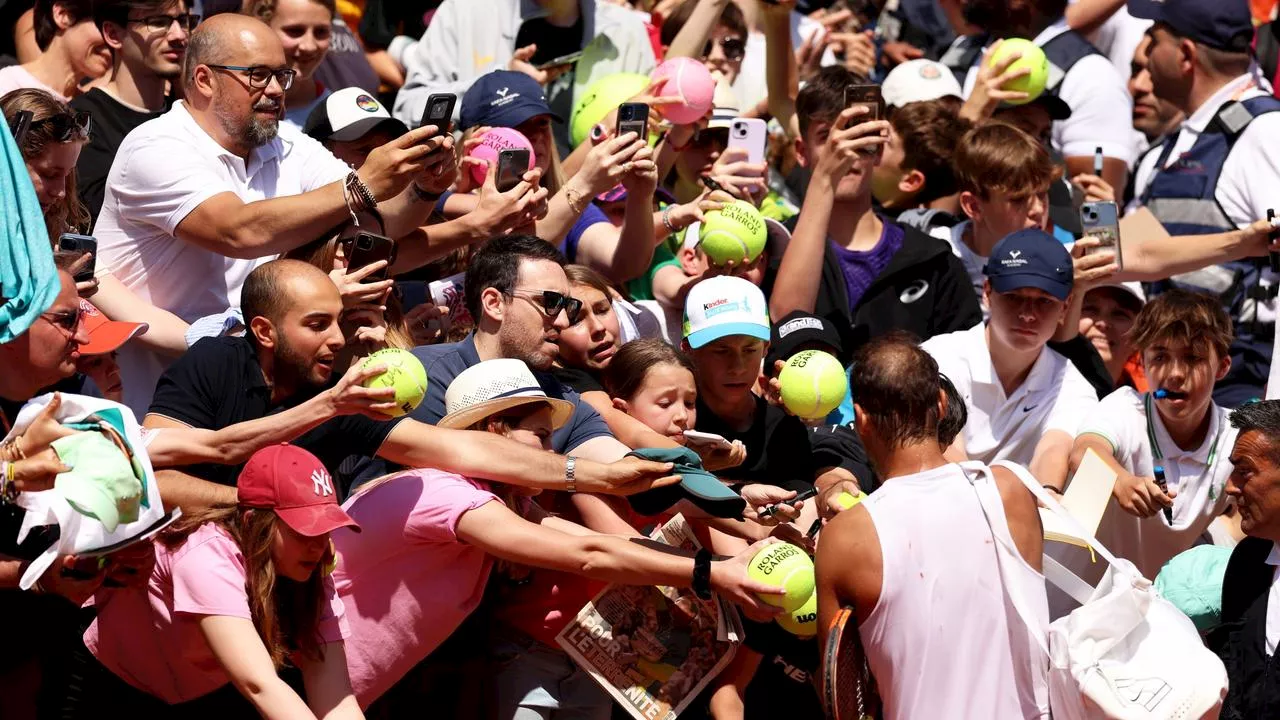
701, 584
570, 484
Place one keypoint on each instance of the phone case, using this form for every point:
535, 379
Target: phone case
868, 95
751, 134
512, 165
368, 248
439, 111
1101, 220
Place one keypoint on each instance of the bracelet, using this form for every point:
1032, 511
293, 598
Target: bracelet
701, 584
573, 205
361, 191
570, 483
666, 220
346, 198
423, 195
13, 448
1055, 490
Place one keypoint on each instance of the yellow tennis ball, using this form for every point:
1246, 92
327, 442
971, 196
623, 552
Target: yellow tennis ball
732, 233
1032, 57
803, 621
404, 373
788, 567
813, 384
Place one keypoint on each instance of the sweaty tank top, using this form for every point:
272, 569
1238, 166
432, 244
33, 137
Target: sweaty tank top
944, 641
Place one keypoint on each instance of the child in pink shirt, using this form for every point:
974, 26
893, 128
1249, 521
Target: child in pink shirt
235, 591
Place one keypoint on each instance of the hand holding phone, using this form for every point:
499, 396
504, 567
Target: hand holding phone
368, 248
633, 117
80, 245
439, 112
710, 441
512, 165
1101, 221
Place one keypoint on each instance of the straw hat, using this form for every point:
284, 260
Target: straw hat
493, 387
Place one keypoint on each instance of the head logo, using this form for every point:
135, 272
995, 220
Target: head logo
504, 97
805, 323
367, 103
321, 483
929, 71
1015, 254
503, 92
914, 292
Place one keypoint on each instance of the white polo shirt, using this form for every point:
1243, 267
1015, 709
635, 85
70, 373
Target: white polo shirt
163, 171
1101, 108
1055, 396
1199, 476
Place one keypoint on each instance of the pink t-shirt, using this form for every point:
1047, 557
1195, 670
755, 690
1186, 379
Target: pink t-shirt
16, 77
150, 637
407, 581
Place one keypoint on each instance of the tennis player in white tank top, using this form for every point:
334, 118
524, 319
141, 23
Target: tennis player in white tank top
917, 559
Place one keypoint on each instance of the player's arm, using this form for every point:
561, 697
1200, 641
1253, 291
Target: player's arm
848, 567
1023, 516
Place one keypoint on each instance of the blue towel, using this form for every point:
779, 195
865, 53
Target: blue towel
28, 280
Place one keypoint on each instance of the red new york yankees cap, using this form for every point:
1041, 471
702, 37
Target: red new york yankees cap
295, 484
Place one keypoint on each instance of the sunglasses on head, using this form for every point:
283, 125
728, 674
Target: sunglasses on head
551, 303
66, 126
733, 48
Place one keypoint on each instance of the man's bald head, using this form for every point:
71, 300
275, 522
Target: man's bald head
896, 386
230, 39
273, 289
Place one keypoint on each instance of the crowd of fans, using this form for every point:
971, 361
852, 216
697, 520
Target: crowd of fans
190, 191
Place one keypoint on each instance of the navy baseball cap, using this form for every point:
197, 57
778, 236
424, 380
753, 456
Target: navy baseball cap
1030, 259
503, 98
1221, 24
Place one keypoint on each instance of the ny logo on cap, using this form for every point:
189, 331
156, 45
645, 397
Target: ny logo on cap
321, 483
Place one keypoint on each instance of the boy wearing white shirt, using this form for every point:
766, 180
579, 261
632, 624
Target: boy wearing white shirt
1025, 401
1170, 446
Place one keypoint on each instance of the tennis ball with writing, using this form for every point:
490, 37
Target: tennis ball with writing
813, 384
491, 142
404, 373
601, 96
788, 567
732, 233
1032, 57
803, 621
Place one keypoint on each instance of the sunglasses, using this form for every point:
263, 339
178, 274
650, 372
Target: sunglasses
156, 23
551, 303
733, 48
711, 137
68, 125
68, 320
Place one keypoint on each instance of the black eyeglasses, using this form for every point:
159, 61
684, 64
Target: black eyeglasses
66, 126
156, 23
552, 303
733, 48
68, 320
260, 75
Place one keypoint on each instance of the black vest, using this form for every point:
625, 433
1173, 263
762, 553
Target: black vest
1253, 678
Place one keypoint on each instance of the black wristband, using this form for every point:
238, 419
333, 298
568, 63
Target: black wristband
423, 195
701, 584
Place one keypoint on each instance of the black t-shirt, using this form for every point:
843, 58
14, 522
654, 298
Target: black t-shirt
112, 120
782, 451
218, 382
580, 380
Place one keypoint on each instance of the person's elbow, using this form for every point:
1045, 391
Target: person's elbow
592, 556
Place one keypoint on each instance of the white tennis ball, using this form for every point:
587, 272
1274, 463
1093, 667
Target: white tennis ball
813, 384
733, 233
404, 373
788, 567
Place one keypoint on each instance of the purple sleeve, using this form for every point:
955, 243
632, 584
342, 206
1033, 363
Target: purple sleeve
590, 216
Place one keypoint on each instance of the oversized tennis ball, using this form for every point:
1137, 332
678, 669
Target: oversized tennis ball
803, 621
492, 141
404, 373
813, 384
788, 567
599, 98
1032, 57
732, 233
689, 80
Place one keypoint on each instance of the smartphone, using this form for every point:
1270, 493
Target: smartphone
693, 438
633, 117
512, 165
570, 59
19, 126
412, 293
368, 248
81, 244
1101, 220
750, 134
439, 112
868, 96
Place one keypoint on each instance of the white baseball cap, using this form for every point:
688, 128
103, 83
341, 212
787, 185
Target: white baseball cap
1131, 288
721, 306
494, 386
350, 114
918, 81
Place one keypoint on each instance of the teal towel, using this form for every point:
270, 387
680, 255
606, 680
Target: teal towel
28, 280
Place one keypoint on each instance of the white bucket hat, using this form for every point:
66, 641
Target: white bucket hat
492, 387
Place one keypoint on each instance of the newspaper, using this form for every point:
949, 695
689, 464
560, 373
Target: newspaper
654, 649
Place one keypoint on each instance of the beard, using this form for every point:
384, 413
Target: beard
528, 349
253, 131
293, 368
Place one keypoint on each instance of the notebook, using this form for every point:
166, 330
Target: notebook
1086, 500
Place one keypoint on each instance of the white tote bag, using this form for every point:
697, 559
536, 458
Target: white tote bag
1126, 653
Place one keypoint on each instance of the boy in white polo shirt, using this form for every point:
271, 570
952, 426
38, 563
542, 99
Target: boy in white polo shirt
1175, 434
1025, 401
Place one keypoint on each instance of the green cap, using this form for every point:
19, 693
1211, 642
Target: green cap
101, 483
1192, 581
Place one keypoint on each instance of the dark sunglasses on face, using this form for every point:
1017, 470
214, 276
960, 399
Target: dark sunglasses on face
156, 23
733, 48
260, 75
711, 137
68, 320
66, 126
551, 303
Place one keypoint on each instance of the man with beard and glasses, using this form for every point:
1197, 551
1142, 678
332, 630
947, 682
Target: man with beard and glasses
148, 39
203, 194
291, 310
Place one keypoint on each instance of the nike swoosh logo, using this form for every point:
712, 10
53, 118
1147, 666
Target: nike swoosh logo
1030, 408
